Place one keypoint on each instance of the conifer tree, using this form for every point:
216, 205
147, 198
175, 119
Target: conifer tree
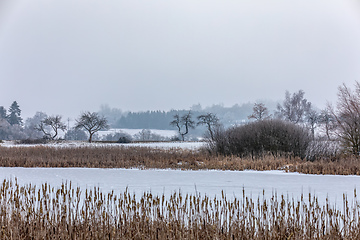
2, 112
14, 114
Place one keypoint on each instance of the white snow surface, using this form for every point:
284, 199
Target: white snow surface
209, 182
76, 144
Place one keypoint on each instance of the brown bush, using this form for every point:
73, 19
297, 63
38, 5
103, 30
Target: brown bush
256, 139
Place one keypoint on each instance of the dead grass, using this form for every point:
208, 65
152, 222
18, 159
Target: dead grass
145, 158
44, 212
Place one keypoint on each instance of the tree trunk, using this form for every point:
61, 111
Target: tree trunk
90, 137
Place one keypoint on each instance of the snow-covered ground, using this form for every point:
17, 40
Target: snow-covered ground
75, 144
133, 132
168, 145
209, 183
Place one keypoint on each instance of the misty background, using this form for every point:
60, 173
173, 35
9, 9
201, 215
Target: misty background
65, 57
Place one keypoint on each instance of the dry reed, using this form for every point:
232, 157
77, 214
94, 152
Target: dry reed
45, 212
145, 158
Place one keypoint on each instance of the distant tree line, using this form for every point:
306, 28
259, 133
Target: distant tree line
41, 126
146, 120
229, 116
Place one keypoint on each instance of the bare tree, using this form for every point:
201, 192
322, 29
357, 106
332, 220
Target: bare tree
75, 134
313, 119
54, 123
182, 122
347, 117
294, 108
92, 123
211, 121
10, 132
144, 135
31, 124
260, 112
328, 122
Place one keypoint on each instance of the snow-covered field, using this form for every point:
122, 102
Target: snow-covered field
209, 183
69, 144
133, 132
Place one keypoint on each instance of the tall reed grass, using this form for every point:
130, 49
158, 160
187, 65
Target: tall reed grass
67, 212
145, 158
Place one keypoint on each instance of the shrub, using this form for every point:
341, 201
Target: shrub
124, 138
75, 134
175, 139
32, 141
147, 135
260, 138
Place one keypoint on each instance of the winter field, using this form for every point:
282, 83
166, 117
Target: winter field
150, 203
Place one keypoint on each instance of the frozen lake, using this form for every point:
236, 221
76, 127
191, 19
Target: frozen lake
209, 183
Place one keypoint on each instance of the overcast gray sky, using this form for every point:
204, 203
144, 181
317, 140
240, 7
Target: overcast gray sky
68, 56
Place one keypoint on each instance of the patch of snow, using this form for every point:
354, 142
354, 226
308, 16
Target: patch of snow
168, 145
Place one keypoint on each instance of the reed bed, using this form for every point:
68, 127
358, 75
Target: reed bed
45, 212
147, 158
